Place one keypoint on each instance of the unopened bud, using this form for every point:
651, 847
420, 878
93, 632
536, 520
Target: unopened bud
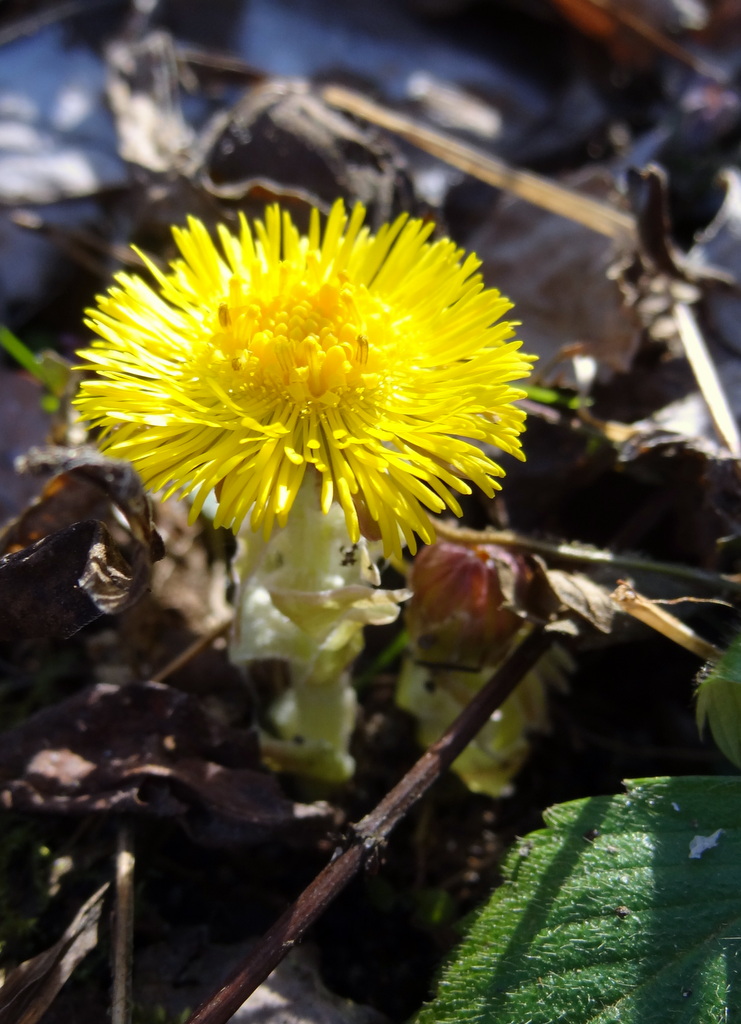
461, 610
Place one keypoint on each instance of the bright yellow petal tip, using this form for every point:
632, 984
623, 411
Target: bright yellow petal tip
375, 359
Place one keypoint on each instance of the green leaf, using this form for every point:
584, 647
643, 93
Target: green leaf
48, 367
719, 701
20, 352
555, 396
605, 916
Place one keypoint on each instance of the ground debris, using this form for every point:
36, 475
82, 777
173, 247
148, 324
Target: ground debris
31, 987
150, 750
62, 568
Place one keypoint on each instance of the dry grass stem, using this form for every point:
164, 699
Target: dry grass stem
599, 216
707, 378
652, 614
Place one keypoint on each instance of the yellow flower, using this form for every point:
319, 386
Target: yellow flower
375, 359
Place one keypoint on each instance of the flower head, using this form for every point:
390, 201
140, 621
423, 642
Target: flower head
375, 359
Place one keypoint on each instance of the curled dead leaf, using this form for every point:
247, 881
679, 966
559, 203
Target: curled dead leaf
62, 566
580, 594
572, 301
32, 986
65, 581
283, 140
566, 600
149, 749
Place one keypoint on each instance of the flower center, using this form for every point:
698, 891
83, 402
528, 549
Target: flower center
307, 344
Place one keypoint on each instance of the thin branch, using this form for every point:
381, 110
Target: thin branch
368, 835
599, 216
583, 553
123, 926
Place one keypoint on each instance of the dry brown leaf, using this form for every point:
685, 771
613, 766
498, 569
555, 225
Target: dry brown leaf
63, 582
149, 749
144, 96
557, 273
282, 140
578, 593
73, 468
63, 569
566, 600
31, 987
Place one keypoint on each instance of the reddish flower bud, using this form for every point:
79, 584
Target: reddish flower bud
461, 613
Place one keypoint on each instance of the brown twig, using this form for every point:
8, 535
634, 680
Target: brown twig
368, 835
592, 213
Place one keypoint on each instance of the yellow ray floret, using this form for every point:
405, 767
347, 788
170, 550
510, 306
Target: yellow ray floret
376, 359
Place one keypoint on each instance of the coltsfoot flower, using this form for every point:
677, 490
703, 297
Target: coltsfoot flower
378, 360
